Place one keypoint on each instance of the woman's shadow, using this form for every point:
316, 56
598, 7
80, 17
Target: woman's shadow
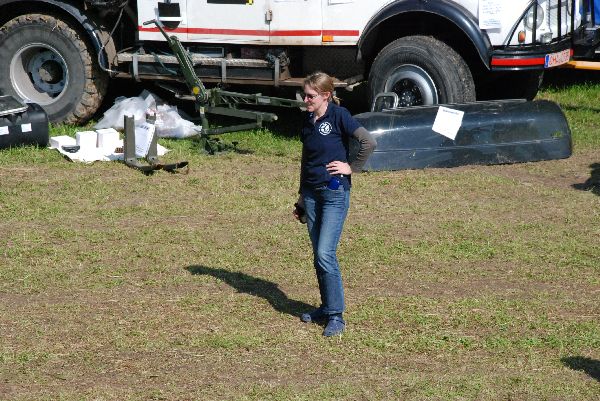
587, 365
255, 286
593, 183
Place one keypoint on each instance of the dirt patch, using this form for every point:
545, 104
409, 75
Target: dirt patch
116, 286
559, 174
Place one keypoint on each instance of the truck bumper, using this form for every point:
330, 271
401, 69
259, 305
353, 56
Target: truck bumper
531, 58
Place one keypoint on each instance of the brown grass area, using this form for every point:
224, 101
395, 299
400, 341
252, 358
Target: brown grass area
474, 283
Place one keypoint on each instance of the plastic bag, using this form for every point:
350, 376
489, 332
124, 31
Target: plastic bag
169, 124
137, 107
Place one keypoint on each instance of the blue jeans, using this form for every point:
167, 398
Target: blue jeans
326, 211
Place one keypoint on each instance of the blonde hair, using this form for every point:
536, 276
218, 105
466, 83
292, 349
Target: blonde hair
322, 82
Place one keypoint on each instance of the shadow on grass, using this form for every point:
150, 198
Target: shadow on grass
592, 184
255, 286
587, 365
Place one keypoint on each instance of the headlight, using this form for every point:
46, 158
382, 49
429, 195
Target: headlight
529, 18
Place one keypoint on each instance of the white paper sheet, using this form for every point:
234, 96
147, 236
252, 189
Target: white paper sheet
448, 121
144, 132
490, 14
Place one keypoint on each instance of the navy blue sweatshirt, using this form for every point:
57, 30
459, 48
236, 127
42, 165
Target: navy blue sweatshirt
323, 142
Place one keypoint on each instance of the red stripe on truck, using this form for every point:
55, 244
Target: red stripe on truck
517, 62
253, 32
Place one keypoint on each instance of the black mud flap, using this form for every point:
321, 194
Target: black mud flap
498, 132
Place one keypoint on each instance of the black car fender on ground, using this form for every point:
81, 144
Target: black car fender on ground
493, 132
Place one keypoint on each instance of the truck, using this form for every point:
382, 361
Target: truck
63, 54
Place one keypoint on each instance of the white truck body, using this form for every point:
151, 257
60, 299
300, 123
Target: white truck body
426, 51
307, 22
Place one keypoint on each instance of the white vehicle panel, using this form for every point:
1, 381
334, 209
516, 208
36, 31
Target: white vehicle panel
510, 13
345, 20
296, 22
148, 10
228, 21
315, 22
472, 5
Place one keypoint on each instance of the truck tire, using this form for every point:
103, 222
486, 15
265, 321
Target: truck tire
45, 60
421, 70
514, 85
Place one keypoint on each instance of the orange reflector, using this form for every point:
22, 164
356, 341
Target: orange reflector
195, 90
522, 36
327, 38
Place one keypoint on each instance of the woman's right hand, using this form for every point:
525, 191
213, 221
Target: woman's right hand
299, 211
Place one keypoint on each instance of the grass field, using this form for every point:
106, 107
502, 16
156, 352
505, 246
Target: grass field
472, 283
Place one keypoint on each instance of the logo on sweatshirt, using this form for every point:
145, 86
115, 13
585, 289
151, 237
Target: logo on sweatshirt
325, 128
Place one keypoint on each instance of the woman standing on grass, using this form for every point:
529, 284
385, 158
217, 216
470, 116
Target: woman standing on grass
325, 181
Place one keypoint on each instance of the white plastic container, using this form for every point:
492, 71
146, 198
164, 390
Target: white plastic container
63, 140
86, 139
108, 139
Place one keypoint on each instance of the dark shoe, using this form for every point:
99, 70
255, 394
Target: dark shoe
313, 316
335, 326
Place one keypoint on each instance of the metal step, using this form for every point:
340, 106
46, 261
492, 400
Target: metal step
216, 69
197, 59
299, 81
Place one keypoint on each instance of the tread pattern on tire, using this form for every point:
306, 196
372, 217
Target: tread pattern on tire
96, 80
451, 69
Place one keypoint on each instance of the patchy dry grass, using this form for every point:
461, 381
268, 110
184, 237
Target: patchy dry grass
474, 283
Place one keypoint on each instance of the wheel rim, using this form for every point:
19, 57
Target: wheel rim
39, 73
413, 85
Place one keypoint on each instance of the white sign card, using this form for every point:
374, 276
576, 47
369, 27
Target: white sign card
3, 130
490, 14
144, 132
448, 121
25, 127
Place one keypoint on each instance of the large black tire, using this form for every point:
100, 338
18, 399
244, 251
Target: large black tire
45, 60
421, 70
513, 85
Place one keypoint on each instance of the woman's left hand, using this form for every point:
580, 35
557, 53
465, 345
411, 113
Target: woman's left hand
338, 167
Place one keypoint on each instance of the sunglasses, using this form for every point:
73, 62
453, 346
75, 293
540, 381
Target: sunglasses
310, 96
